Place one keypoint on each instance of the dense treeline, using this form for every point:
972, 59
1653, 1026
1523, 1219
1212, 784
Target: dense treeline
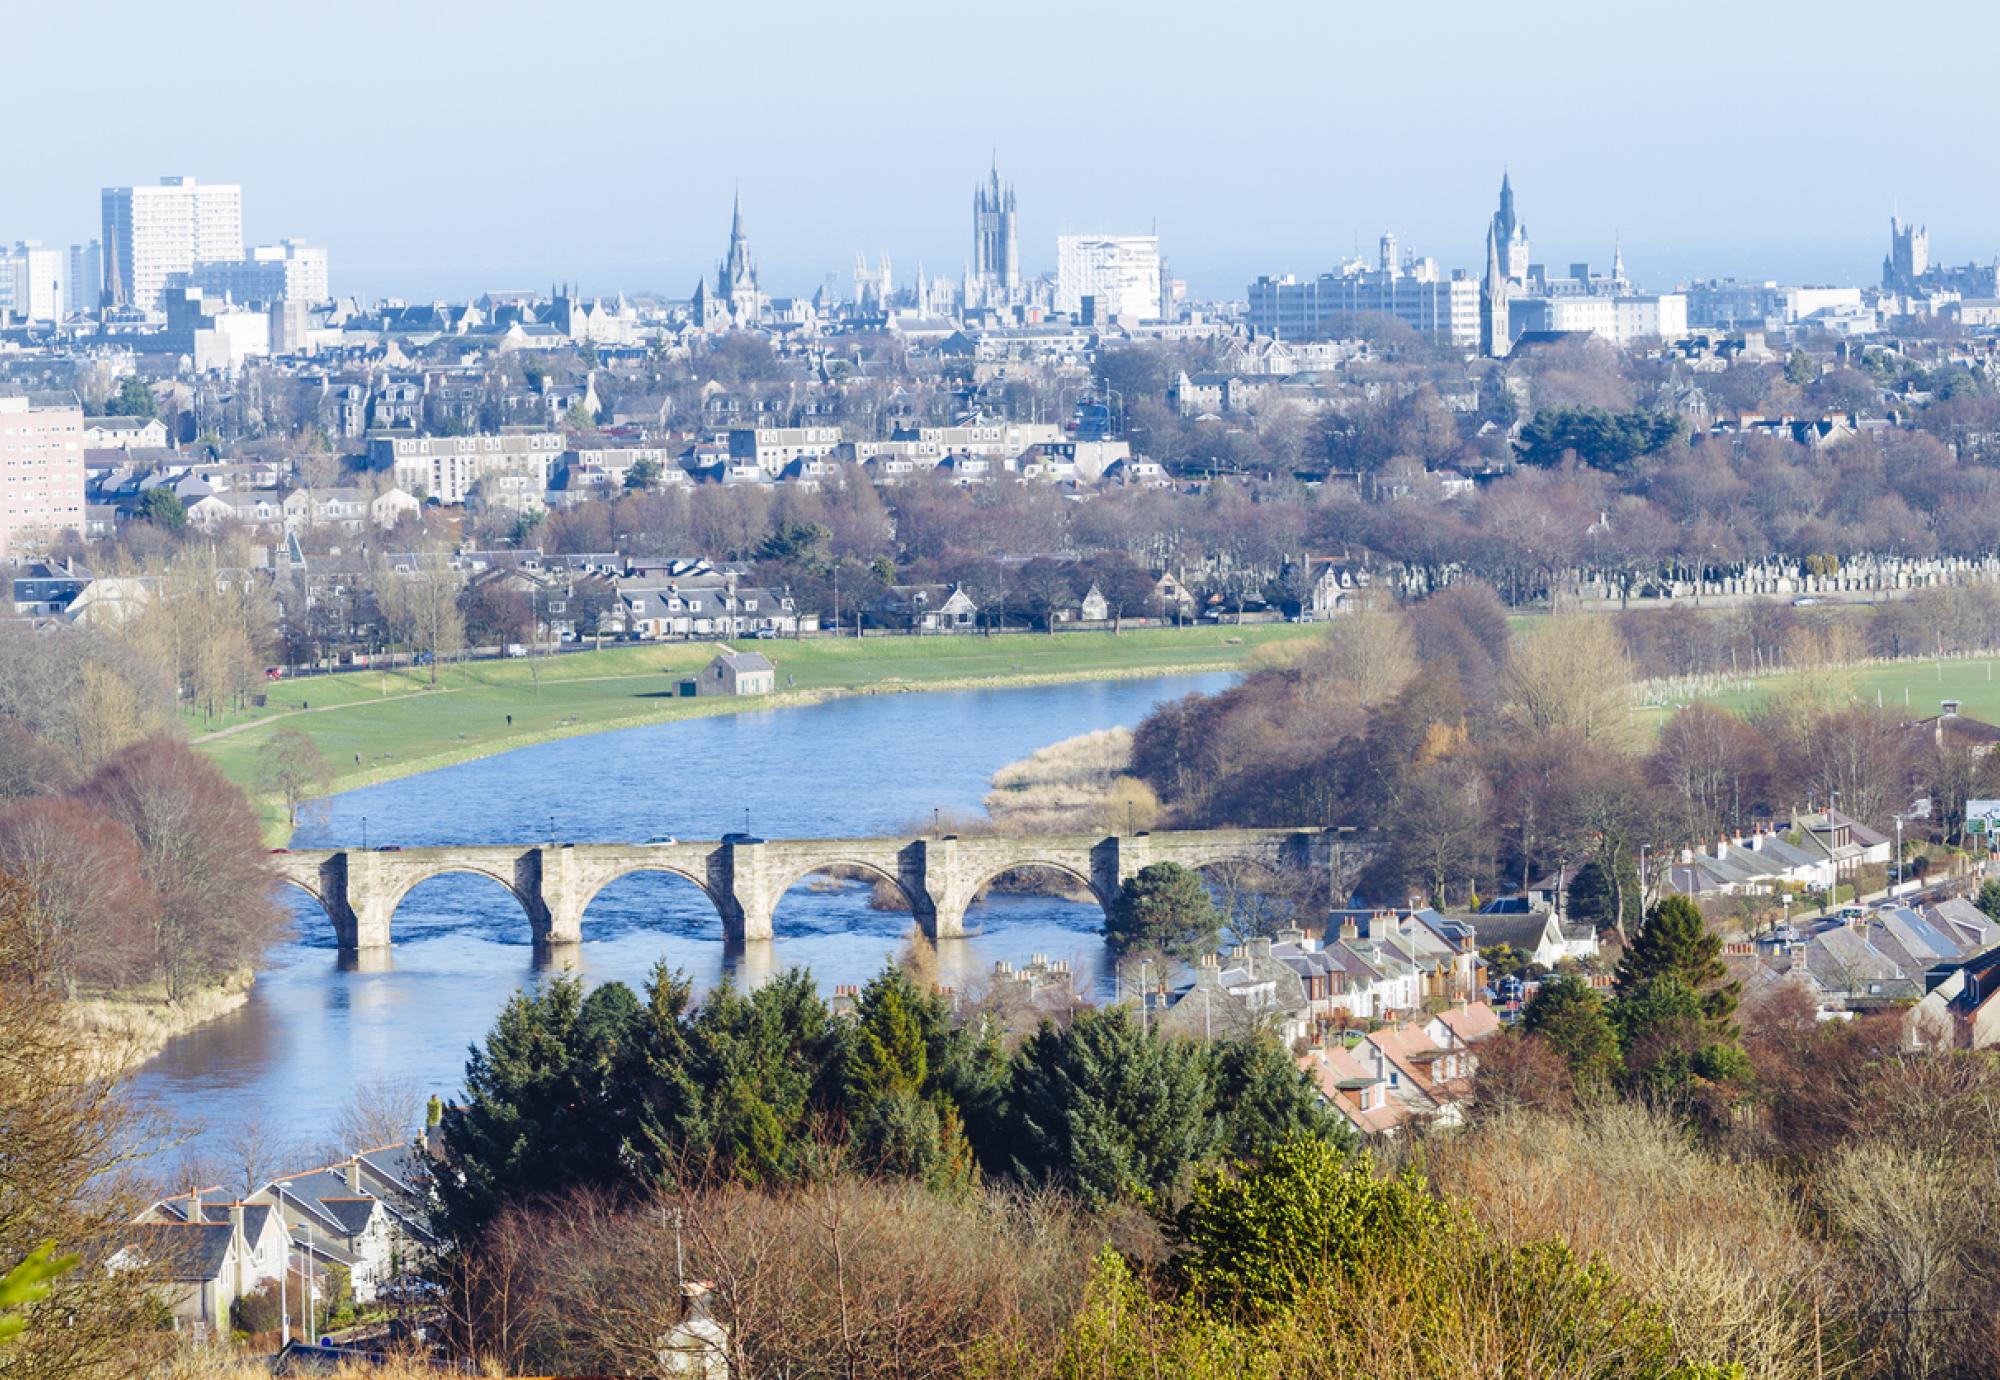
1468, 756
612, 1091
143, 863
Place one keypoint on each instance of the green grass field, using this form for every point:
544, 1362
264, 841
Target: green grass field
1917, 686
375, 725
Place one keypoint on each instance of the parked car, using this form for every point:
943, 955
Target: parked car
516, 649
765, 634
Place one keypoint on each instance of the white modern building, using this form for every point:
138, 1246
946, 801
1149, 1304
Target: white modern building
1622, 319
1121, 272
153, 233
447, 468
31, 282
1422, 298
289, 271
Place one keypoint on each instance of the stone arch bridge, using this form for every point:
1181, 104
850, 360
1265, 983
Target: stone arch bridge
744, 878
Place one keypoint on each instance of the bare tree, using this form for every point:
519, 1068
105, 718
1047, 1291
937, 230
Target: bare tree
290, 767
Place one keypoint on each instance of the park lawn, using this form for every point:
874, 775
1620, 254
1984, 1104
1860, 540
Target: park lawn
1915, 687
373, 725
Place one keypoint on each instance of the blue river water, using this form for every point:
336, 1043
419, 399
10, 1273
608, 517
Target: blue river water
313, 1032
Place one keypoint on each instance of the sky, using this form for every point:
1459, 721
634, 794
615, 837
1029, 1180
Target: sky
439, 148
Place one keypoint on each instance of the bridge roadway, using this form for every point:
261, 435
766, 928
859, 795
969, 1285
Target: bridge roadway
744, 878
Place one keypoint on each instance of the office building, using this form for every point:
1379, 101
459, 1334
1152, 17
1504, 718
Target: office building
1624, 318
31, 282
41, 470
84, 283
1120, 273
153, 233
1326, 307
289, 271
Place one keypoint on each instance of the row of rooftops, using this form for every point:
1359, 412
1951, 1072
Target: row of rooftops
326, 1209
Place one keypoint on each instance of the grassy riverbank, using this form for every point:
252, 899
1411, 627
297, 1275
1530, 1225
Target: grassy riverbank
125, 1030
378, 725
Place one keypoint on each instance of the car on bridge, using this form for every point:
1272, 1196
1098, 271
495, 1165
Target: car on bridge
741, 838
659, 841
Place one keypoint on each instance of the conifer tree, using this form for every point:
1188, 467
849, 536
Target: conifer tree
1165, 907
1108, 1109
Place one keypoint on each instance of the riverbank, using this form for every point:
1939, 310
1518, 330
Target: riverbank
375, 726
126, 1030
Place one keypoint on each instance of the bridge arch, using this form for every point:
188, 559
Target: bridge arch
917, 904
394, 896
611, 876
989, 873
300, 884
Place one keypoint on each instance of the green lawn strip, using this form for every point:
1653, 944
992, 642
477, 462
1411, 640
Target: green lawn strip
375, 726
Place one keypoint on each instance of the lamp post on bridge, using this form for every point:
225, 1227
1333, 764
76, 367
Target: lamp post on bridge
364, 833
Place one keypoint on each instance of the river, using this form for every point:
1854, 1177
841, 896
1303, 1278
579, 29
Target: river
313, 1032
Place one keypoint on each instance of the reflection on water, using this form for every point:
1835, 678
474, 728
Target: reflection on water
316, 1025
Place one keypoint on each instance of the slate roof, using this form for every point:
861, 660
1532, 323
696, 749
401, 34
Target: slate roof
184, 1251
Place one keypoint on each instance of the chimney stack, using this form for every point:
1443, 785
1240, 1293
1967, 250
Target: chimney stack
354, 1175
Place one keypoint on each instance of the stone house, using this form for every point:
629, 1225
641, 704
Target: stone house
733, 673
207, 1252
363, 1213
924, 608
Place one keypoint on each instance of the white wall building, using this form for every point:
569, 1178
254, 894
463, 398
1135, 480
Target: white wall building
1429, 303
447, 468
1122, 272
1622, 319
152, 233
31, 282
290, 270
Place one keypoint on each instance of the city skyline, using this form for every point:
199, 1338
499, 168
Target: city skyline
1248, 155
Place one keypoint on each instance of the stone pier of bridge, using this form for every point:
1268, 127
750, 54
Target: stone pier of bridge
744, 878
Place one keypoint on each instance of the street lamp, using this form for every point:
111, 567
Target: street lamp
364, 833
1145, 996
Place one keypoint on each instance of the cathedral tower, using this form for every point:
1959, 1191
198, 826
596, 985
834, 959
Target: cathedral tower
996, 244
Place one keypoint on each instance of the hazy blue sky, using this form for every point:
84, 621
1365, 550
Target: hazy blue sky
447, 147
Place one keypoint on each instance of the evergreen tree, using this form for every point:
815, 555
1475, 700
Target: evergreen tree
1262, 1240
1570, 1017
544, 1109
1591, 900
768, 1069
1989, 897
1264, 1100
1678, 943
1108, 1109
904, 1121
133, 399
1164, 907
